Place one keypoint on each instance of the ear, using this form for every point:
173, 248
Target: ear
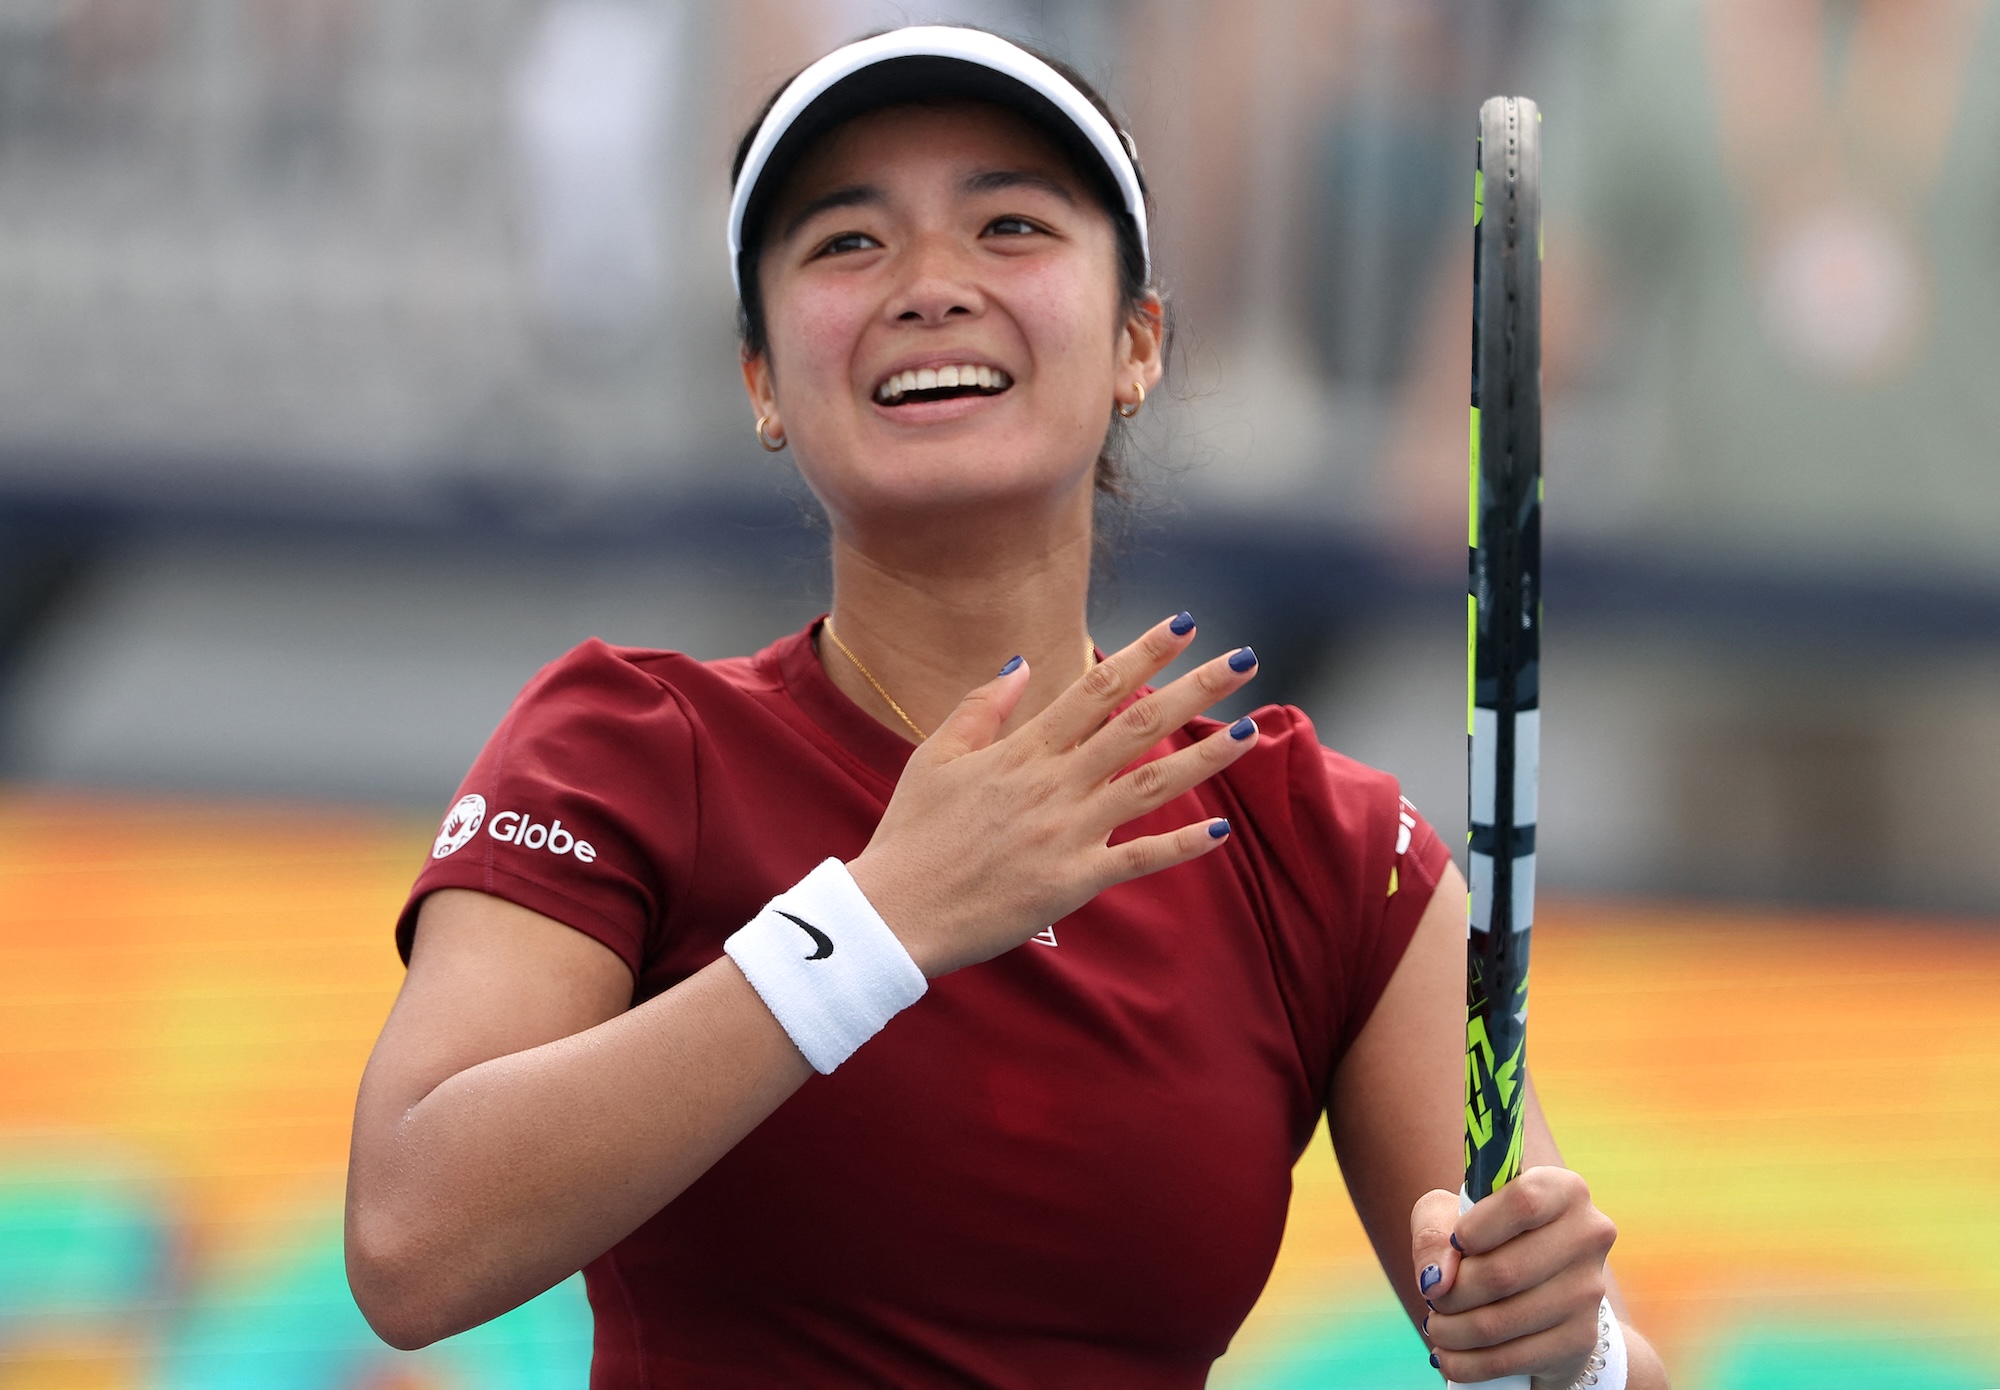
757, 383
1142, 342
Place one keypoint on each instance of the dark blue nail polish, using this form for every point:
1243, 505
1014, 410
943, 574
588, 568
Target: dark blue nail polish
1455, 1245
1430, 1305
1434, 1361
1243, 728
1427, 1323
1181, 624
1217, 829
1242, 659
1429, 1279
1013, 665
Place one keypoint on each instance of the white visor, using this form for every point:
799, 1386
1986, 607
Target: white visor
926, 62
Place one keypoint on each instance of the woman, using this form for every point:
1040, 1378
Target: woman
1081, 969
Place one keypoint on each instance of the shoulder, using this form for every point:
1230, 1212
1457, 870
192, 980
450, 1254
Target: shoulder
585, 803
623, 725
597, 684
596, 674
1292, 775
1334, 825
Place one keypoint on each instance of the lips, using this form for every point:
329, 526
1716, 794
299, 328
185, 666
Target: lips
941, 383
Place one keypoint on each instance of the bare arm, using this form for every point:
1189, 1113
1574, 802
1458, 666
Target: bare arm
517, 1119
1396, 1116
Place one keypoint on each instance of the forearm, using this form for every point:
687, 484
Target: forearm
513, 1173
1644, 1369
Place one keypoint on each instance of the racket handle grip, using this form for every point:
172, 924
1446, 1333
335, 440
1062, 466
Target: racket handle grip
1505, 1382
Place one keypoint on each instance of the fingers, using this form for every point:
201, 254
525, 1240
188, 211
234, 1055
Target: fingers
1530, 1259
1146, 721
1100, 690
1571, 1294
980, 715
1151, 853
1152, 784
1559, 1352
1516, 1286
1544, 1223
1535, 1198
1431, 1252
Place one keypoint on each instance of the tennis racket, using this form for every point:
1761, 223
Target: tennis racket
1504, 628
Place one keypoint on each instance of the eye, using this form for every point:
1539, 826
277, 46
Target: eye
1012, 226
844, 243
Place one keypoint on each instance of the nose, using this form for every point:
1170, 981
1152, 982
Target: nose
937, 284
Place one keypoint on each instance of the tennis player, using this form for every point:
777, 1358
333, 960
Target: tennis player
926, 1001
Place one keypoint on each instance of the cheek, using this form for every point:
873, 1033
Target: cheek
1069, 320
818, 333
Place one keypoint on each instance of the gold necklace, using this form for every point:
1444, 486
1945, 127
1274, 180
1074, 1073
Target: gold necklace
1089, 660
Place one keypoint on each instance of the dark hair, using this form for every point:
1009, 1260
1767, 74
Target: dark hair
1132, 282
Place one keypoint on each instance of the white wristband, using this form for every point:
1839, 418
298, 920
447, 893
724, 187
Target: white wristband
826, 965
1606, 1370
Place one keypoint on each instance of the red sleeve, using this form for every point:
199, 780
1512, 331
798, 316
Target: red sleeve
581, 806
1380, 864
1410, 882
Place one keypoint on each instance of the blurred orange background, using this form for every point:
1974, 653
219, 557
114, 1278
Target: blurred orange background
1786, 1113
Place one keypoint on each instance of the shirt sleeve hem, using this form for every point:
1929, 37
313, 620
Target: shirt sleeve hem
573, 913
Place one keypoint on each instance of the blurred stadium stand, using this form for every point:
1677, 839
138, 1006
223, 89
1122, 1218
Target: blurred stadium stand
356, 358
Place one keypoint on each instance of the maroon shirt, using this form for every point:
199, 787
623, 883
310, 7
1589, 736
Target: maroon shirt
1067, 1166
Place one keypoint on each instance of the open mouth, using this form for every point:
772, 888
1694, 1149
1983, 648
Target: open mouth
942, 384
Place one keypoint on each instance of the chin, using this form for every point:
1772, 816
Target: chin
962, 487
967, 474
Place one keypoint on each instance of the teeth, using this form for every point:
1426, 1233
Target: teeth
933, 378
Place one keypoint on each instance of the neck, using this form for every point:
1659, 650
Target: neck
934, 607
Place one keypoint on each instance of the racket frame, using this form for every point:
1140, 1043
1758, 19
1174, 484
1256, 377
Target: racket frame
1503, 642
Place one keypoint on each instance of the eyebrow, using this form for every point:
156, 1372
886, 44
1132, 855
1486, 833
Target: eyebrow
852, 196
863, 194
993, 180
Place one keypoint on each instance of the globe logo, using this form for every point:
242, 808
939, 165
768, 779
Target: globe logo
461, 823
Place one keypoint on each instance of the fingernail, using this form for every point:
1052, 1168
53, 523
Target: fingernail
1429, 1279
1217, 829
1434, 1361
1427, 1323
1455, 1245
1181, 624
1013, 665
1243, 728
1242, 659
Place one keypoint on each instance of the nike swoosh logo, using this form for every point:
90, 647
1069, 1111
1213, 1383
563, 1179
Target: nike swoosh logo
820, 938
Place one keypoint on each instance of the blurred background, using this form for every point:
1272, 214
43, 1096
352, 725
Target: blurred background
358, 357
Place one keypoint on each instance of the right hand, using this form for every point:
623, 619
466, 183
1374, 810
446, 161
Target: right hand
987, 840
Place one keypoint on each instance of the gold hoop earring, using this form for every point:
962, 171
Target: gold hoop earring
765, 439
1128, 411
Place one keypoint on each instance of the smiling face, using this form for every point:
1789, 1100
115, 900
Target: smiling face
943, 317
